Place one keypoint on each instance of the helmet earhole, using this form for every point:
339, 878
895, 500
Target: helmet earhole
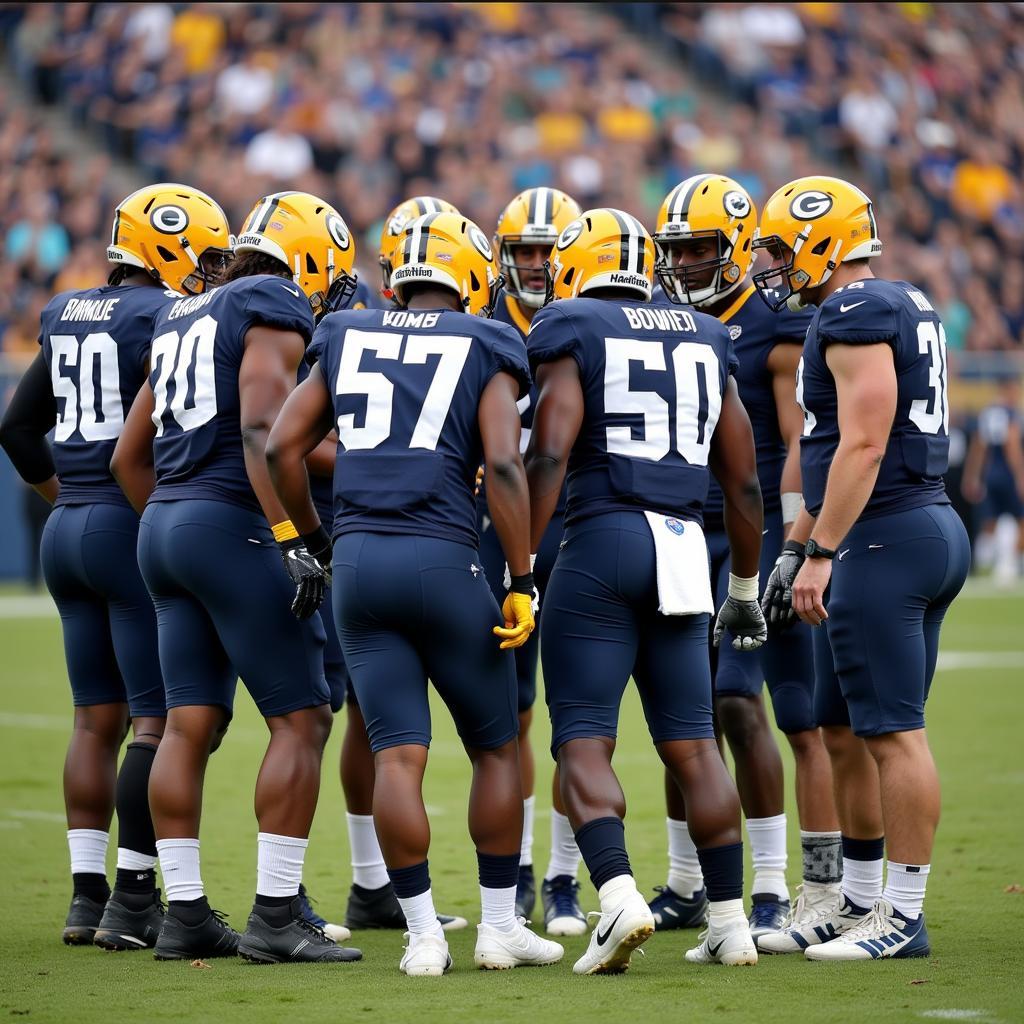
166, 254
474, 283
822, 247
567, 280
310, 264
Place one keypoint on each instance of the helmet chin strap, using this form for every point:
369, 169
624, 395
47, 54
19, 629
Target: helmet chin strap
718, 296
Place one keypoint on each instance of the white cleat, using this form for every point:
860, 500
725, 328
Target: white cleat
617, 933
566, 926
500, 951
881, 934
818, 917
729, 944
426, 956
338, 932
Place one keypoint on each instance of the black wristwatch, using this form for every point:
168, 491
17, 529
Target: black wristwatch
812, 549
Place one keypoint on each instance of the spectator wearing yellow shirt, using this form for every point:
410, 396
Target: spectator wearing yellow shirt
981, 184
199, 33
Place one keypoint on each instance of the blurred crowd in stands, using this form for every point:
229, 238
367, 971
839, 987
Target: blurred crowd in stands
370, 103
921, 104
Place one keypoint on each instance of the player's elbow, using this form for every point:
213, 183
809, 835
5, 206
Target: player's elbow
255, 437
504, 469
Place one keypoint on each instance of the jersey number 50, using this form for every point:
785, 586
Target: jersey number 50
698, 399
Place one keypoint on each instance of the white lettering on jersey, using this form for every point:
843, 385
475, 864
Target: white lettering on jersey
89, 309
658, 318
406, 318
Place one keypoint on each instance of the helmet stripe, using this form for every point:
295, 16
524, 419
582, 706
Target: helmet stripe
264, 220
540, 206
531, 209
427, 204
117, 226
631, 252
679, 209
625, 251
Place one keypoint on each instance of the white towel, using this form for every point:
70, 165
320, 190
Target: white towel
684, 579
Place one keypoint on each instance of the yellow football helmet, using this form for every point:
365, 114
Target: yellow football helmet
602, 248
311, 239
450, 251
535, 217
718, 211
175, 233
394, 225
809, 227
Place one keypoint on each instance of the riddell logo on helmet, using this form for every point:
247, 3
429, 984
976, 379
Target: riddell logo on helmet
416, 270
631, 279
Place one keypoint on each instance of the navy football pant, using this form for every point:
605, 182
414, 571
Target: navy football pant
408, 608
338, 680
223, 605
893, 579
785, 661
600, 625
493, 560
110, 639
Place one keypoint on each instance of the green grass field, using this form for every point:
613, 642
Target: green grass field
976, 925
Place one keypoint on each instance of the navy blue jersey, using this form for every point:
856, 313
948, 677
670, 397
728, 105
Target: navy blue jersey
653, 380
197, 352
96, 345
755, 330
406, 387
917, 455
322, 487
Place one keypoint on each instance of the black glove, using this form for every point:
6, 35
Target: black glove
308, 561
777, 601
744, 621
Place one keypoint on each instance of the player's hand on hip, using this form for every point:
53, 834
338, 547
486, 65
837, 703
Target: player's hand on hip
809, 590
744, 620
519, 610
777, 601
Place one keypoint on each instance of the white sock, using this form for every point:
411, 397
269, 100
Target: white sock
565, 854
279, 864
498, 907
904, 887
768, 853
179, 866
526, 850
132, 860
368, 868
862, 881
614, 891
721, 912
420, 915
684, 874
88, 848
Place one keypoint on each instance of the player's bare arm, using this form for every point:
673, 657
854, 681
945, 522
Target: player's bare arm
556, 424
299, 432
132, 461
866, 395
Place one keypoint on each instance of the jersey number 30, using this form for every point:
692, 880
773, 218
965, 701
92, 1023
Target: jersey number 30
698, 400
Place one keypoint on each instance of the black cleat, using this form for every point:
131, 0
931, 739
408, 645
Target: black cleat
82, 921
526, 892
379, 908
672, 911
130, 922
283, 935
212, 937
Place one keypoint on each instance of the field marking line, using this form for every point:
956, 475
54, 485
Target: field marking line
31, 815
954, 660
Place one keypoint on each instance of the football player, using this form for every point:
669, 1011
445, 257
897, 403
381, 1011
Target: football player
705, 230
219, 555
637, 400
371, 900
994, 478
416, 396
167, 239
527, 229
881, 537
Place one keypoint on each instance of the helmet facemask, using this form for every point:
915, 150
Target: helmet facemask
698, 282
517, 275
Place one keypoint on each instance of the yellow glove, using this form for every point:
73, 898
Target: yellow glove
519, 621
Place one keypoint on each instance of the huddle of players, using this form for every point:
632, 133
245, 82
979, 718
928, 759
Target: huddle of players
228, 463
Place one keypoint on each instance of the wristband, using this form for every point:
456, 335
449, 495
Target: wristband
522, 584
284, 531
792, 502
793, 547
744, 589
506, 580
